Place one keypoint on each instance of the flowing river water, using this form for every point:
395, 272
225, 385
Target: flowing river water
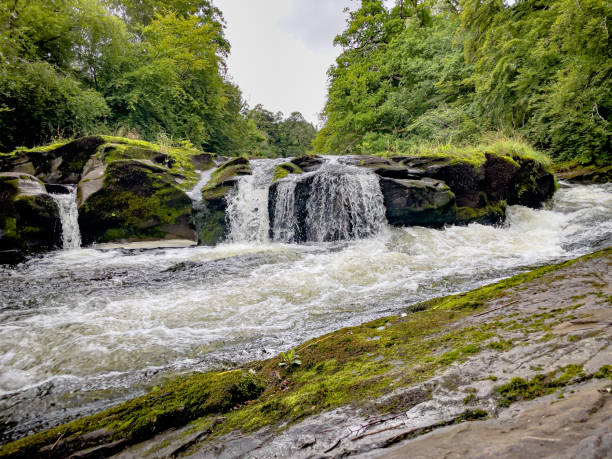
82, 329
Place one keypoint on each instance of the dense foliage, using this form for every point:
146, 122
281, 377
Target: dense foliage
446, 71
281, 137
139, 67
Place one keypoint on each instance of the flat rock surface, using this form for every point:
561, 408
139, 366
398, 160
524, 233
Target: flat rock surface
579, 426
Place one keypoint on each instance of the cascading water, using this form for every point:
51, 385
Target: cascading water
196, 193
345, 203
337, 202
247, 204
69, 217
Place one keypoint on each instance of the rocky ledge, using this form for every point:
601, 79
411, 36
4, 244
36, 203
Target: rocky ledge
129, 190
441, 187
521, 367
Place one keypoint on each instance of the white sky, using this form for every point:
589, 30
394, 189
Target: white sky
281, 50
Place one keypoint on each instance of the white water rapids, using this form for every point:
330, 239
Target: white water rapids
82, 329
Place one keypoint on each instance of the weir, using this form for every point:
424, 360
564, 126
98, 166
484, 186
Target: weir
69, 217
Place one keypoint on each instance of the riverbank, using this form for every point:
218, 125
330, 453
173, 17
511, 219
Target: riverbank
439, 362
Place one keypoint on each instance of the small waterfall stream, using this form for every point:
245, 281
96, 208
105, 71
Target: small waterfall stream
196, 193
69, 216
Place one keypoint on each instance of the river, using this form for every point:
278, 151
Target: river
81, 329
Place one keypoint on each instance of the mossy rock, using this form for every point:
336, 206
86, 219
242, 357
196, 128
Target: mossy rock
138, 201
578, 173
29, 218
57, 163
172, 405
64, 163
489, 215
283, 170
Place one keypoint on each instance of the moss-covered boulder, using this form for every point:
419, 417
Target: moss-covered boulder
56, 163
308, 163
29, 217
283, 170
484, 180
137, 200
209, 215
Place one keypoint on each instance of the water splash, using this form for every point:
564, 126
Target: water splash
69, 217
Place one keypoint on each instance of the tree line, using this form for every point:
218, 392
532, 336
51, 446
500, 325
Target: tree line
129, 67
451, 71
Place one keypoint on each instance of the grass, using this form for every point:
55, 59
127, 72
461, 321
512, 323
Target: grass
510, 147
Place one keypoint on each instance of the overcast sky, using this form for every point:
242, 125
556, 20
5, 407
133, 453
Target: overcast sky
281, 50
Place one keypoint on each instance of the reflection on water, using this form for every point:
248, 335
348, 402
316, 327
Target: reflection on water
80, 329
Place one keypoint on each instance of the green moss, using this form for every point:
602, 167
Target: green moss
172, 405
542, 384
228, 170
283, 170
501, 344
493, 213
137, 199
511, 149
213, 228
604, 372
10, 227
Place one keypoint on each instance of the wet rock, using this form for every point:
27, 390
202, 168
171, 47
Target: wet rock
136, 201
425, 202
586, 174
308, 163
29, 217
531, 185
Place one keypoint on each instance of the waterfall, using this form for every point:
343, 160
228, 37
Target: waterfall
285, 225
336, 202
247, 204
345, 203
69, 216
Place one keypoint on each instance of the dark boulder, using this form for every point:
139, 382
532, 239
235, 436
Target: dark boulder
308, 163
425, 202
29, 217
136, 201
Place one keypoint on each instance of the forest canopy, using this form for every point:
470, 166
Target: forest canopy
451, 71
127, 67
